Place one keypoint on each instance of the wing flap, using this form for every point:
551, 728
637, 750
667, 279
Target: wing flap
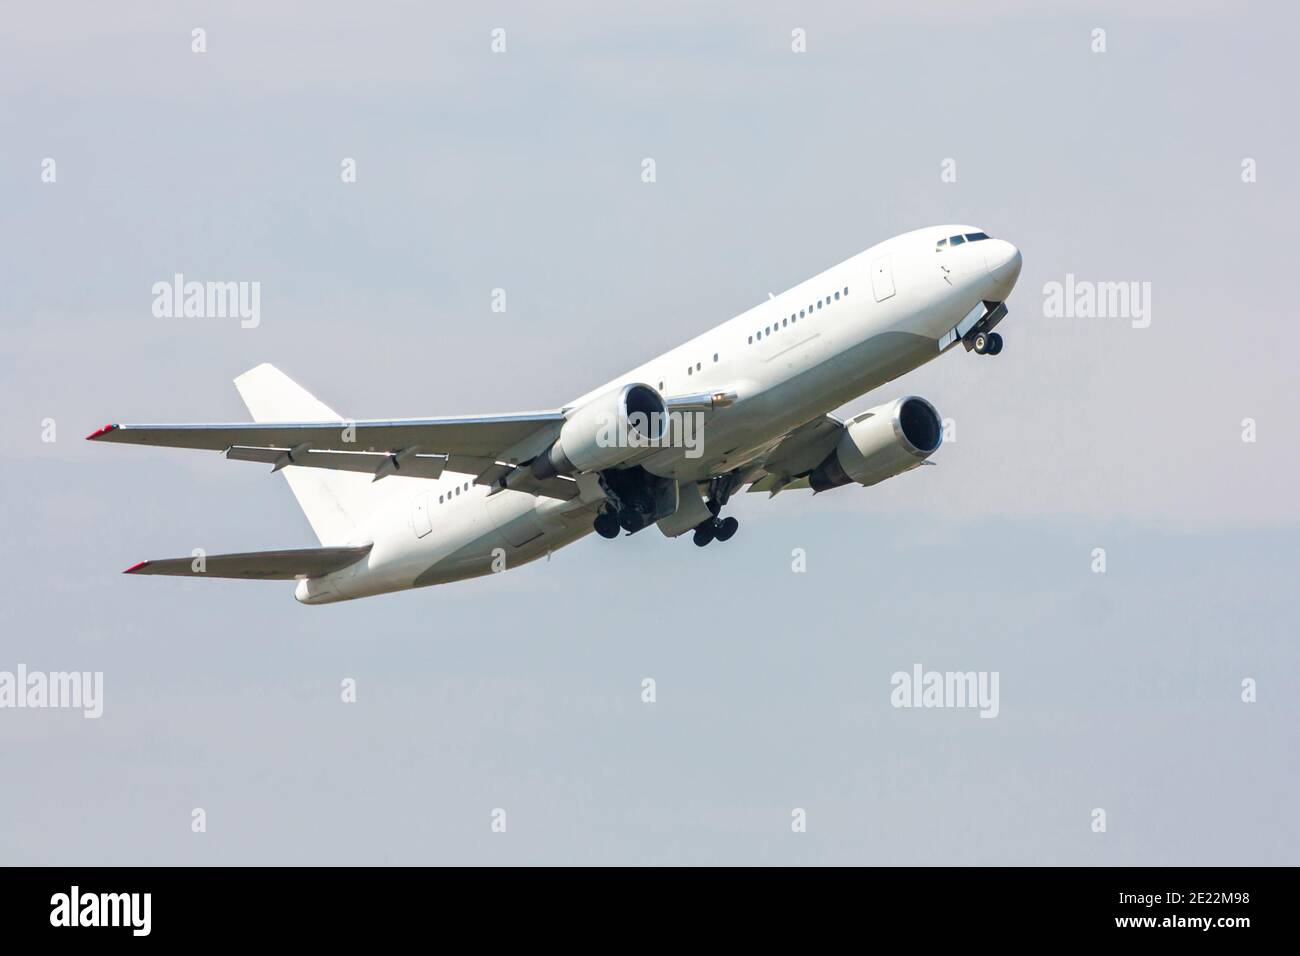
796, 454
774, 484
522, 479
366, 462
257, 565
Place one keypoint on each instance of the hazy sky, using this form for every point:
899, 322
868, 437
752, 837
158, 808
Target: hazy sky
522, 170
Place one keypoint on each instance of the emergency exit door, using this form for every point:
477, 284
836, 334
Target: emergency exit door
882, 279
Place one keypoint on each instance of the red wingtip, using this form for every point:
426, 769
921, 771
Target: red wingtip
135, 567
100, 431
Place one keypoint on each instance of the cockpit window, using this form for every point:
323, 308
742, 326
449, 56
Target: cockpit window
958, 240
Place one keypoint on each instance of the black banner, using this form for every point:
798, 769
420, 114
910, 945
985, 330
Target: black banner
341, 905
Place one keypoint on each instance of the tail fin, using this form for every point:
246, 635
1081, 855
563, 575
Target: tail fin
333, 501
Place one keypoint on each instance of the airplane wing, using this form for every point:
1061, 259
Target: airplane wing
489, 437
337, 460
798, 453
260, 565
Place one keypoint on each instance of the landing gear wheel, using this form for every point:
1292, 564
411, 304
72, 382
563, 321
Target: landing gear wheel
726, 528
995, 343
606, 525
981, 343
704, 534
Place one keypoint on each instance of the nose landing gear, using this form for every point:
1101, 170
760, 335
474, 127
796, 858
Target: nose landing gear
986, 343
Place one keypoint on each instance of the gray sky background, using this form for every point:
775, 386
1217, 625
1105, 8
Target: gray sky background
522, 691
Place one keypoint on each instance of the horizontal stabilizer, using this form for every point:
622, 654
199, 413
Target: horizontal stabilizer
257, 565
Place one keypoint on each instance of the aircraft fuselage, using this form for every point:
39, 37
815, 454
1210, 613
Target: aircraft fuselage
788, 361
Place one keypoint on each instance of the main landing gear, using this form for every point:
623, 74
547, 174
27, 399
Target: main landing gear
720, 529
986, 343
715, 528
632, 507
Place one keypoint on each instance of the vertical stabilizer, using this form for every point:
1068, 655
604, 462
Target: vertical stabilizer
333, 501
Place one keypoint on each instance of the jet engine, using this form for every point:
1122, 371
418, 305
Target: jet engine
612, 429
882, 442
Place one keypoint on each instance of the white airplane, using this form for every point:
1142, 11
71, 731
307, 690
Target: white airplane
746, 403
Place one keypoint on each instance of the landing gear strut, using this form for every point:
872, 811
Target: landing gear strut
715, 528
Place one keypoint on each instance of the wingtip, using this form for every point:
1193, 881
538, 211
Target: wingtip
136, 567
260, 369
100, 432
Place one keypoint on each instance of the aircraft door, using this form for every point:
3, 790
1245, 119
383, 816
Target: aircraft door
882, 278
421, 522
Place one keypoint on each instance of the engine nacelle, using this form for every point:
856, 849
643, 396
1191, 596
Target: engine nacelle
888, 441
612, 429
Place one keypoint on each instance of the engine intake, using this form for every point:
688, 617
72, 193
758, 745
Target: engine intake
612, 429
884, 441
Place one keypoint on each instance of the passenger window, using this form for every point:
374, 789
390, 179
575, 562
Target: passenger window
715, 356
837, 297
697, 366
785, 322
846, 292
751, 340
689, 370
801, 313
819, 303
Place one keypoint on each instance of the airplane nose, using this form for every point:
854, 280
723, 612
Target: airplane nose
1003, 261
